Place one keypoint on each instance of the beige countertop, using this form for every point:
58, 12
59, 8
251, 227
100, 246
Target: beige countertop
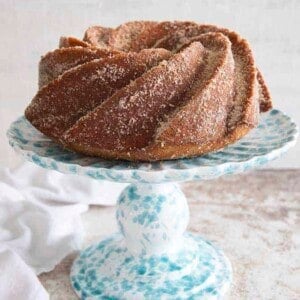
253, 217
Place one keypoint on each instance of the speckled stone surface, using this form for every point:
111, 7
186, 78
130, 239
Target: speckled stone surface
254, 217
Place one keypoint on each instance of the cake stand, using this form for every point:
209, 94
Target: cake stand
152, 256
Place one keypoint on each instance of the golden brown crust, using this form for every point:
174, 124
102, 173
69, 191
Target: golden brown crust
205, 96
171, 36
129, 118
265, 97
158, 152
65, 42
98, 36
124, 36
58, 105
57, 62
168, 35
207, 101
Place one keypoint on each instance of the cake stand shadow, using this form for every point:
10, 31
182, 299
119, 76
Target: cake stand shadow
152, 256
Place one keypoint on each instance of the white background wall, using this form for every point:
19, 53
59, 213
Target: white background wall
30, 28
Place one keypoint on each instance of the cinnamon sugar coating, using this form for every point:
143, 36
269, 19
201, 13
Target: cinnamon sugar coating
149, 91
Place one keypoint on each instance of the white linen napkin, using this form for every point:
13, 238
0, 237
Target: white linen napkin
17, 280
40, 223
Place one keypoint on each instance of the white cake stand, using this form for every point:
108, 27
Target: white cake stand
152, 257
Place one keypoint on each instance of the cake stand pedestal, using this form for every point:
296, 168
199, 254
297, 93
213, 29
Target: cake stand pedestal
152, 256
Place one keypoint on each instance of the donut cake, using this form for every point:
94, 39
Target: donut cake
148, 91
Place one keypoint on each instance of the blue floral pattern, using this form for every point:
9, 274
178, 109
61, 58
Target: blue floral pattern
152, 218
199, 271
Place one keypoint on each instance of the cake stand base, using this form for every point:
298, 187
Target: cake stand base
108, 271
152, 257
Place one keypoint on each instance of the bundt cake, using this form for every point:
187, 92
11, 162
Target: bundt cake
149, 91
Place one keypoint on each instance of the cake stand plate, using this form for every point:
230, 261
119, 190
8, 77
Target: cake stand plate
153, 257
